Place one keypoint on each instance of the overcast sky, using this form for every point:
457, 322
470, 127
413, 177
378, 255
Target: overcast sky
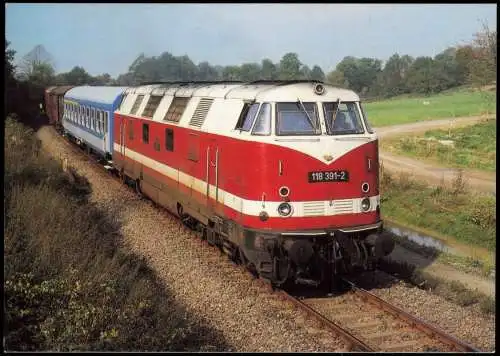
108, 37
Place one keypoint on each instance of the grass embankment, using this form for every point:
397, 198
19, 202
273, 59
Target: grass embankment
450, 211
69, 285
468, 147
458, 103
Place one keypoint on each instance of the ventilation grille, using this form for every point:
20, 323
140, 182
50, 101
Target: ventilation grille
201, 112
343, 206
314, 208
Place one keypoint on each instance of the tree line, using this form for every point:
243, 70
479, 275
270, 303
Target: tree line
470, 64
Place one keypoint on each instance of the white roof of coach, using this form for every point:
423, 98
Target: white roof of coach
261, 92
100, 94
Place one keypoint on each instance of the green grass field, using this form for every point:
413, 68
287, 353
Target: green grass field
458, 103
473, 146
450, 211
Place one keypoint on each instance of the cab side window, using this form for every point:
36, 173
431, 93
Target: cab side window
247, 116
263, 125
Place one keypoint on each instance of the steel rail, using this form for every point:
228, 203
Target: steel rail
348, 336
414, 321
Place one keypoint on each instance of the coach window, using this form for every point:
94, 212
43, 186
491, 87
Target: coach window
247, 116
106, 121
136, 105
263, 124
101, 121
152, 105
169, 139
98, 115
87, 117
145, 133
82, 114
92, 123
176, 109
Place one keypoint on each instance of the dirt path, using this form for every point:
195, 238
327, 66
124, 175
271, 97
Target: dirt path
431, 173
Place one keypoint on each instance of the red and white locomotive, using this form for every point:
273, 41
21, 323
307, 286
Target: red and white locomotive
281, 175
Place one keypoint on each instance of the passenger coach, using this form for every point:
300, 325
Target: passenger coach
88, 116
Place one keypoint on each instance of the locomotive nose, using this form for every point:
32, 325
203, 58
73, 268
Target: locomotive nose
300, 251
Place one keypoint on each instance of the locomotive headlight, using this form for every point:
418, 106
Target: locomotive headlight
365, 204
284, 209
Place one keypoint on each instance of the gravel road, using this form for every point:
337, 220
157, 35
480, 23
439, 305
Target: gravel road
433, 174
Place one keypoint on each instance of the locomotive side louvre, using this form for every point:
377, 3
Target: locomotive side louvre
230, 174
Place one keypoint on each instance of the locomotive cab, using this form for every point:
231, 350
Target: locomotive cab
316, 171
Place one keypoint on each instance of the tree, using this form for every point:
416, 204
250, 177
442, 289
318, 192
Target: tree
77, 76
103, 79
9, 60
317, 74
445, 67
290, 67
464, 56
231, 73
42, 75
360, 73
207, 72
336, 78
421, 76
305, 72
37, 56
250, 72
483, 65
268, 70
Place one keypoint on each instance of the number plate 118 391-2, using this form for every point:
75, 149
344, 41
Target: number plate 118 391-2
328, 176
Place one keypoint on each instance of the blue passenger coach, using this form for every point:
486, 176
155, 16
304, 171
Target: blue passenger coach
88, 116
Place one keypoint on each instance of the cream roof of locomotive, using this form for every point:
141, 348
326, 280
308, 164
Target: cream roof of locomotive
100, 94
258, 92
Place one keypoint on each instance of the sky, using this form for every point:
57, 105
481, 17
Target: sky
106, 38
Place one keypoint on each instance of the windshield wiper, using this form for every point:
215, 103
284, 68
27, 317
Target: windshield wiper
336, 111
307, 114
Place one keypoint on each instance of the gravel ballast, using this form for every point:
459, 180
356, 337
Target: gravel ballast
227, 298
201, 279
465, 323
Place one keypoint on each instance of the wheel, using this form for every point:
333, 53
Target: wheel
123, 177
138, 188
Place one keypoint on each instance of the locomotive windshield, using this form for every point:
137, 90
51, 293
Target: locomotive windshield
297, 119
344, 119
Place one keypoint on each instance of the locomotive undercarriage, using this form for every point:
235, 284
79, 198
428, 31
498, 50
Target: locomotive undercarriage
304, 258
319, 259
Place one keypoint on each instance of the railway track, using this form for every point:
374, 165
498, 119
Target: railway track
370, 323
365, 321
